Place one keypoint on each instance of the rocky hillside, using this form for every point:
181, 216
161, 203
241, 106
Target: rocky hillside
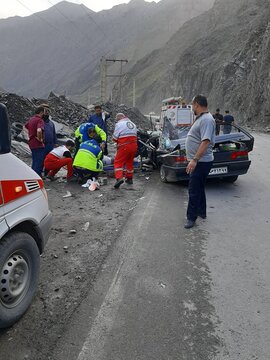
65, 111
223, 53
60, 49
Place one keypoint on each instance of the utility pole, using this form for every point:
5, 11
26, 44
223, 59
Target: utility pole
104, 76
89, 98
103, 79
120, 83
134, 92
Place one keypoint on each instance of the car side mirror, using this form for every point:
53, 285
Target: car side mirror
5, 138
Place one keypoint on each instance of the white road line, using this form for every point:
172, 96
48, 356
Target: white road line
93, 347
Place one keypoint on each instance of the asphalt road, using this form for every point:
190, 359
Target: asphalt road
175, 294
166, 293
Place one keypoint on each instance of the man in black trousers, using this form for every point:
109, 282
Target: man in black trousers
199, 150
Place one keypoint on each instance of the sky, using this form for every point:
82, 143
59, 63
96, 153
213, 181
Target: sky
14, 7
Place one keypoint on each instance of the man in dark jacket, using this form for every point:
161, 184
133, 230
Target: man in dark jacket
218, 119
100, 119
228, 121
50, 139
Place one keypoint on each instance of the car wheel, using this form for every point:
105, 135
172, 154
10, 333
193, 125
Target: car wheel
163, 176
13, 133
230, 179
19, 270
18, 127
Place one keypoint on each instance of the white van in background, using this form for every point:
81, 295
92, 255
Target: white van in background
25, 222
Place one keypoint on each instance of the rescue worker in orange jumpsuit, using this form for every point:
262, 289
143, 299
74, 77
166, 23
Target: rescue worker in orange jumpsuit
58, 158
125, 136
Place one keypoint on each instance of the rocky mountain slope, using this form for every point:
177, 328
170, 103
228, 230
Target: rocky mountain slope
223, 53
65, 111
59, 49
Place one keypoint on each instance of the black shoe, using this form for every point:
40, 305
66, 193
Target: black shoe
129, 181
118, 183
203, 216
51, 178
189, 224
72, 179
80, 180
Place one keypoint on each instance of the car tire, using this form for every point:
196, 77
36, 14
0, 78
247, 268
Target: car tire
162, 173
230, 179
18, 127
19, 272
13, 133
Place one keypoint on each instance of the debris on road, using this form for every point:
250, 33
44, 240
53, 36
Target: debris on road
68, 194
86, 226
72, 252
65, 249
92, 185
103, 181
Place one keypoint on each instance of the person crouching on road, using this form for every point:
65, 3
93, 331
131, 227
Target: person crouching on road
90, 131
88, 161
199, 150
58, 158
125, 136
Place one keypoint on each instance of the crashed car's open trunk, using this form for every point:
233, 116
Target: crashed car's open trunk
230, 153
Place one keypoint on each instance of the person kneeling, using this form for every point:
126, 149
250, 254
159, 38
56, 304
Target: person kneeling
88, 161
58, 158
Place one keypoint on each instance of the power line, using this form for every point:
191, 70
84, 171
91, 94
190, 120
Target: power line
36, 14
78, 45
97, 25
104, 75
75, 25
70, 20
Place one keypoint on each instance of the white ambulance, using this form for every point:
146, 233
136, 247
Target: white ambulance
25, 222
177, 112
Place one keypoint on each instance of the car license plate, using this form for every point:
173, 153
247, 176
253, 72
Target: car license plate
218, 171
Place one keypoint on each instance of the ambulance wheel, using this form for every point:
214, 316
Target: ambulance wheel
19, 271
163, 176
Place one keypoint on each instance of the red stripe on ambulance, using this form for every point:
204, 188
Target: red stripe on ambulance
15, 189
